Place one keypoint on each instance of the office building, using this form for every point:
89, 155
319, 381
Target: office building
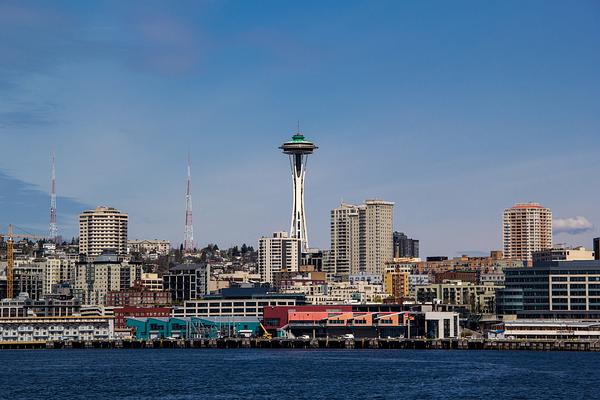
187, 281
405, 247
277, 253
554, 289
104, 228
480, 299
527, 227
236, 302
336, 320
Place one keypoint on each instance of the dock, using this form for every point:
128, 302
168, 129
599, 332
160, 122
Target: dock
317, 343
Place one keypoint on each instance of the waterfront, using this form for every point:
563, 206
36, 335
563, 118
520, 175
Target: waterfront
300, 374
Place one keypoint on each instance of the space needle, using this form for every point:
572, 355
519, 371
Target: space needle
298, 150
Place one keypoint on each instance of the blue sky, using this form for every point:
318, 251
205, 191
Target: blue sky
453, 110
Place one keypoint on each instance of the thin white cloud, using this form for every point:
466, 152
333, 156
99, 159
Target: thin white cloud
572, 226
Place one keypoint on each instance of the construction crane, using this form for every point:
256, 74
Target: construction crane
10, 258
266, 334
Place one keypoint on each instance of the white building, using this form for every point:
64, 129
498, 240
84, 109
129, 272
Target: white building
551, 329
443, 324
527, 228
160, 247
234, 307
104, 228
34, 329
345, 241
359, 292
277, 253
361, 238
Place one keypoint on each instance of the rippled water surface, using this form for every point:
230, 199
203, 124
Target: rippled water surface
297, 374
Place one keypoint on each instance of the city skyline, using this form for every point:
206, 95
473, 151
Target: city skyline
451, 138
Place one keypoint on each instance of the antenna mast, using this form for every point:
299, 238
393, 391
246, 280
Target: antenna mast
53, 228
188, 241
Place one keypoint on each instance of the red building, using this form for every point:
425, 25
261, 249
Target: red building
276, 317
138, 296
121, 313
465, 276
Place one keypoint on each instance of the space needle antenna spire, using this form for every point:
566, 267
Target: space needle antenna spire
298, 150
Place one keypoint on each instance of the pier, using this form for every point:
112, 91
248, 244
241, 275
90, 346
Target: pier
318, 343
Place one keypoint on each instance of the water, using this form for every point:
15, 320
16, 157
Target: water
175, 374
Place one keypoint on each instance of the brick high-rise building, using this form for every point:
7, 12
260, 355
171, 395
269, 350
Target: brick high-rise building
527, 227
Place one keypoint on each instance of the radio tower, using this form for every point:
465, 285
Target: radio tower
53, 229
188, 241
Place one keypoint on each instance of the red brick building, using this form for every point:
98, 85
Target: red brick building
138, 296
121, 313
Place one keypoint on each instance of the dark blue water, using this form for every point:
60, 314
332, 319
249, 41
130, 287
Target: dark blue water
297, 374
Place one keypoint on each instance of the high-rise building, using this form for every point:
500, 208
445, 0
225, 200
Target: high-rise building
527, 227
378, 235
298, 150
104, 228
277, 253
405, 247
361, 237
597, 248
345, 254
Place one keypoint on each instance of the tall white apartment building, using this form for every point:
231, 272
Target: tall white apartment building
345, 241
379, 241
361, 238
527, 228
102, 229
277, 253
58, 270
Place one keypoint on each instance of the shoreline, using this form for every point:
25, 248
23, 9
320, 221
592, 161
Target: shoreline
319, 343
